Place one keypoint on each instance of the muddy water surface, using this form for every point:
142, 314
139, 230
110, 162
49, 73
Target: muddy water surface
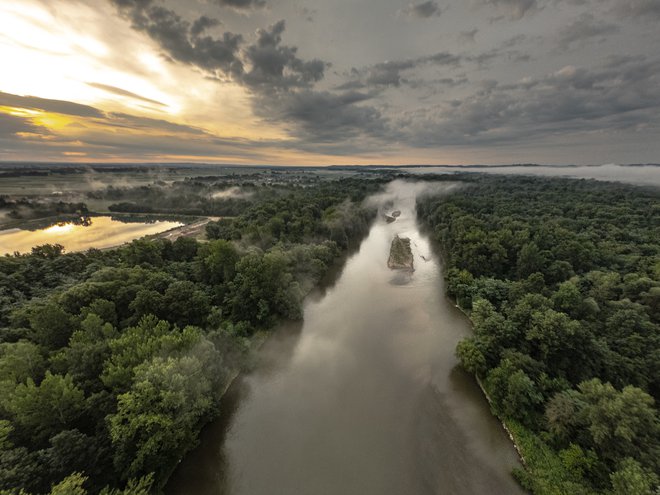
365, 398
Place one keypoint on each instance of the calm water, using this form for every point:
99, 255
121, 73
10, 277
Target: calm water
364, 398
103, 232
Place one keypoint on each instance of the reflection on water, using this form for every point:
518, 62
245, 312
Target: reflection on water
365, 398
81, 234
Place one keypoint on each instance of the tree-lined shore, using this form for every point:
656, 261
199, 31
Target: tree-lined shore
561, 279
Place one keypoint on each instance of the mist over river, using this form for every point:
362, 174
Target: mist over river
365, 397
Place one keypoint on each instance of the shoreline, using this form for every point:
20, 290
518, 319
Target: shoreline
506, 427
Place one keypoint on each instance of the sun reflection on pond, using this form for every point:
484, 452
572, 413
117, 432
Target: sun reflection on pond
81, 234
59, 228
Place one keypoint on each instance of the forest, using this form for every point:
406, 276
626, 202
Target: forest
561, 279
111, 361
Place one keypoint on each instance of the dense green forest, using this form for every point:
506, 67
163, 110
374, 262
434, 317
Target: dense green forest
111, 361
561, 279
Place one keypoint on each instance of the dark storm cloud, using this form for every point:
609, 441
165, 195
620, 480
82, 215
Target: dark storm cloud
584, 28
423, 10
54, 106
122, 92
622, 94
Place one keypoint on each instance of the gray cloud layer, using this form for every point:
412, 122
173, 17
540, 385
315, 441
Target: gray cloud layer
423, 84
423, 10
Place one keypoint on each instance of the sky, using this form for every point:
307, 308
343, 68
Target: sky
322, 82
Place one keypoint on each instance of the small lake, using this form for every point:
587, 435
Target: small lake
95, 232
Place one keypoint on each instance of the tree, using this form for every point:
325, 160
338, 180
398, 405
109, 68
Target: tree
20, 361
568, 299
471, 356
530, 260
621, 424
48, 251
513, 393
88, 349
632, 479
156, 419
185, 304
218, 262
264, 289
71, 485
45, 409
51, 325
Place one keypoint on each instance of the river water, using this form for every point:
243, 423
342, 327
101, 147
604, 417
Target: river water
365, 397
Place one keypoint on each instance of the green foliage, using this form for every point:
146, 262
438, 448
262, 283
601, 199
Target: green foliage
548, 472
513, 393
71, 485
264, 289
632, 479
563, 281
160, 411
112, 361
43, 410
20, 361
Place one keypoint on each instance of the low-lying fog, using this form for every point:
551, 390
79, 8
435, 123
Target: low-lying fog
648, 175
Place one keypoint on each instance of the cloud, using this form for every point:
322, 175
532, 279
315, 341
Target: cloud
468, 36
323, 116
648, 9
272, 66
47, 105
621, 94
515, 9
423, 10
12, 125
182, 41
117, 119
122, 92
202, 24
87, 114
390, 73
241, 4
584, 28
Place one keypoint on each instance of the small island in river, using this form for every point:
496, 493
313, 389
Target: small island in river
401, 257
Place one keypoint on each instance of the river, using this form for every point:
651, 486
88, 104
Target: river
365, 397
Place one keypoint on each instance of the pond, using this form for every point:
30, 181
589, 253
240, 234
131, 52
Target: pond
85, 233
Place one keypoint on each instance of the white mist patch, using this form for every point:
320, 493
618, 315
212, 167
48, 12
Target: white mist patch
403, 194
232, 193
643, 175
